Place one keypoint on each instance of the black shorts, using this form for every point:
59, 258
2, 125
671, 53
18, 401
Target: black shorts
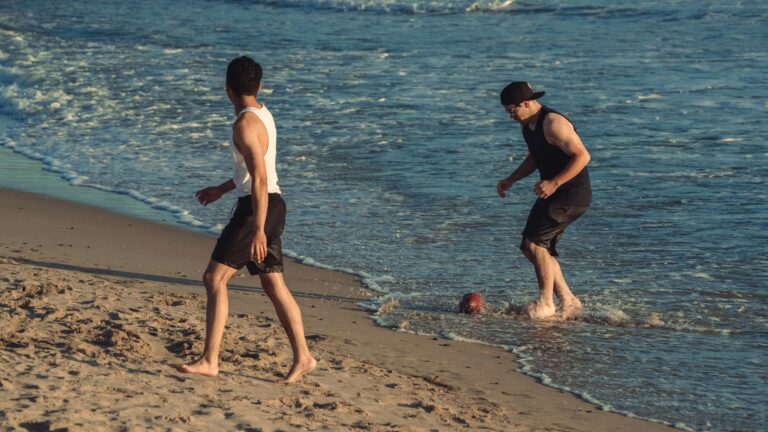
234, 245
547, 222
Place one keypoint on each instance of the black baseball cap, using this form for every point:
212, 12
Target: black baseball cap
517, 92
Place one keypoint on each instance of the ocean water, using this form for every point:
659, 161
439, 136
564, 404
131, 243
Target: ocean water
391, 140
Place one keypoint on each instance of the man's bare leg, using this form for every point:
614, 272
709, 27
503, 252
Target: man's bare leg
570, 305
290, 317
544, 307
215, 279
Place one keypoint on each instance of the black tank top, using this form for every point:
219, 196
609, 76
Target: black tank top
551, 161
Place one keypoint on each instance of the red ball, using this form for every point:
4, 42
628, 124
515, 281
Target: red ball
472, 303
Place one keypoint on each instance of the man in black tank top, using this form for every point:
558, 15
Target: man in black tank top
564, 192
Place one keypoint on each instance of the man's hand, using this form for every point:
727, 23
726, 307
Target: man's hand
208, 195
259, 246
502, 186
545, 188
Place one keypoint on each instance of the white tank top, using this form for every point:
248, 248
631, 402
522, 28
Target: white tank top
240, 171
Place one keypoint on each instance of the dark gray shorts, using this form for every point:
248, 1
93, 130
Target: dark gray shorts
547, 222
234, 245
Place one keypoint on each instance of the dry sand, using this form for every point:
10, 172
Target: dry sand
95, 306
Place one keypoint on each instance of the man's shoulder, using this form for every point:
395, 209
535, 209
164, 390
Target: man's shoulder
248, 118
552, 116
557, 128
247, 121
554, 121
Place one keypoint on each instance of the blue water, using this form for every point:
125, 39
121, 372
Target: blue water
391, 140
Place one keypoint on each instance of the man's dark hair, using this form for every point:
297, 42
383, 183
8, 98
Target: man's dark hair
244, 76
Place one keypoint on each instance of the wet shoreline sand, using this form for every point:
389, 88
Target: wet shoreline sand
97, 305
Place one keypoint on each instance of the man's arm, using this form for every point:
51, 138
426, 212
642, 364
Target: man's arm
226, 186
560, 132
213, 193
526, 168
246, 138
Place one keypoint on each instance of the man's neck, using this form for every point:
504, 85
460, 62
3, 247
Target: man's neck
530, 122
243, 102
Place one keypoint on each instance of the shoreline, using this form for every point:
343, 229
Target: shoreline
168, 260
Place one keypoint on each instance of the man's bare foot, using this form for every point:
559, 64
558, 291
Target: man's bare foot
198, 367
539, 310
570, 308
299, 369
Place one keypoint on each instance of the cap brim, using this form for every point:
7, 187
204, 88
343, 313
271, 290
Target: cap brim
536, 95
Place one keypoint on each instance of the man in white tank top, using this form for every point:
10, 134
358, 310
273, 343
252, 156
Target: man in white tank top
252, 236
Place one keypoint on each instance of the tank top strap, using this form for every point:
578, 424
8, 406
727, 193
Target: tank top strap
250, 109
540, 120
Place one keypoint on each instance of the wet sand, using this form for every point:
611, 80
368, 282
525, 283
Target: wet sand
95, 306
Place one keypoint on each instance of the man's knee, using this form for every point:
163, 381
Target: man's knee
527, 248
272, 283
214, 279
530, 249
208, 278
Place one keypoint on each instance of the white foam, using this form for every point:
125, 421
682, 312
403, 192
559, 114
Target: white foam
526, 366
216, 229
525, 362
621, 281
368, 280
387, 303
648, 97
387, 322
50, 164
453, 336
700, 275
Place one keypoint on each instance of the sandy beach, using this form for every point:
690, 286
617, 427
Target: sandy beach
95, 306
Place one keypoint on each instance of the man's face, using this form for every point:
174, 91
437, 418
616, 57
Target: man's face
518, 112
513, 110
